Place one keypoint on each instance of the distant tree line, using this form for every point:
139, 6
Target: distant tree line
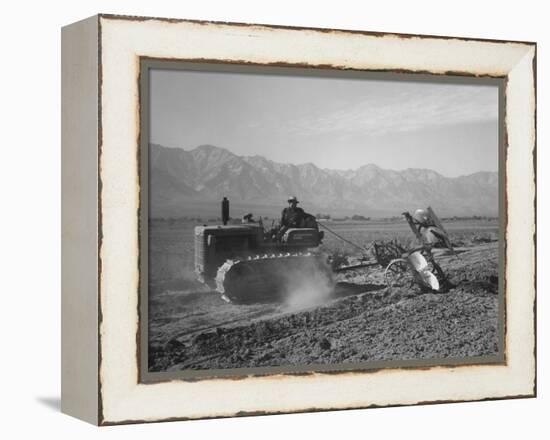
471, 217
355, 217
203, 220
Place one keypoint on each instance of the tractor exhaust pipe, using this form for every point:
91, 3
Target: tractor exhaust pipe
225, 211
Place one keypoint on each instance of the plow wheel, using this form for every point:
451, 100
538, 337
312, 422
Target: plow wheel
399, 274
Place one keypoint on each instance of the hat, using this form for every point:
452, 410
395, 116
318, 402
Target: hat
293, 199
421, 216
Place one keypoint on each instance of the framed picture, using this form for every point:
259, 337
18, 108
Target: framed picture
262, 219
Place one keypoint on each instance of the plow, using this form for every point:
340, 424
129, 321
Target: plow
247, 262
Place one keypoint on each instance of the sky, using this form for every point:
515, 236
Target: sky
336, 123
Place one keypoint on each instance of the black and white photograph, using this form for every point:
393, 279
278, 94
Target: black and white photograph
275, 220
321, 222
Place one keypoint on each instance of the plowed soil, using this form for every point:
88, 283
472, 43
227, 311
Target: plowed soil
359, 321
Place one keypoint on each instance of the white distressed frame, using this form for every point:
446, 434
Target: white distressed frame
122, 42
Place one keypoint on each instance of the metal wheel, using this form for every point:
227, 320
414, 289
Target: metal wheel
398, 274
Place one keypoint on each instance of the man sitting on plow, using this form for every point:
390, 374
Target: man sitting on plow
429, 231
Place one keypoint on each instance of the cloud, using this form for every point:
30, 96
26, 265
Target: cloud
402, 107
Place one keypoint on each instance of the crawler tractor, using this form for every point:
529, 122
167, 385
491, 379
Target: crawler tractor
245, 262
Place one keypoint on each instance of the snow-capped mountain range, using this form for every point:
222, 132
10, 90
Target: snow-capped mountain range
190, 182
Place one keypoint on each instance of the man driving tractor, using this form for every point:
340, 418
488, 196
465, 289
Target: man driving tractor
292, 216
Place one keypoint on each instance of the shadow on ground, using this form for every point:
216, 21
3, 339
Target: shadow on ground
52, 403
343, 289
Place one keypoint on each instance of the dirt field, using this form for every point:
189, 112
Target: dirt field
360, 320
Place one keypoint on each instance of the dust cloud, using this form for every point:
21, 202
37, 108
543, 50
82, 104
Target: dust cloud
308, 284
